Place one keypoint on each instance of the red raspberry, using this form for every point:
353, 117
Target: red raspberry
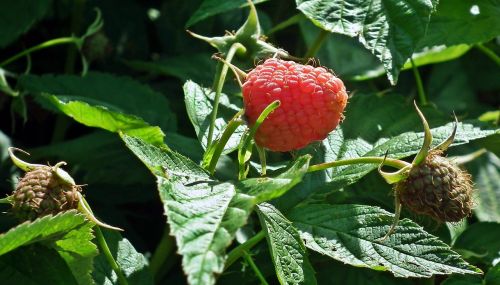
312, 101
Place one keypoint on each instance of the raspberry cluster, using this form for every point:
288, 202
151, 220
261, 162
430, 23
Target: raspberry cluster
312, 101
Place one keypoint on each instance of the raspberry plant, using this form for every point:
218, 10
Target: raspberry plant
266, 172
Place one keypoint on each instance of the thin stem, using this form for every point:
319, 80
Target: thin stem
287, 23
489, 53
220, 83
262, 157
6, 200
250, 261
368, 159
109, 257
47, 44
238, 251
230, 129
318, 42
420, 87
162, 253
75, 27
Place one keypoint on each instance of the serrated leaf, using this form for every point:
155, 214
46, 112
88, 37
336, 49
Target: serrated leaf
486, 175
393, 127
67, 233
422, 57
352, 233
133, 264
203, 214
101, 117
116, 94
481, 239
390, 29
199, 108
77, 249
16, 17
35, 265
463, 22
268, 188
287, 250
48, 227
210, 8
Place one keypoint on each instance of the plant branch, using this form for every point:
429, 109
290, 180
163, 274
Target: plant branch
220, 83
162, 253
368, 159
252, 264
288, 22
318, 42
240, 250
44, 45
420, 87
489, 53
109, 257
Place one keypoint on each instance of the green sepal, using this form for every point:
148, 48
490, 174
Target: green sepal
249, 35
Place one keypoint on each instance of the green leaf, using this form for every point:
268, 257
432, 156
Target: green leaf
481, 239
393, 127
203, 214
77, 249
268, 188
199, 108
352, 234
486, 175
35, 265
287, 250
17, 17
493, 275
390, 29
133, 264
423, 57
463, 22
344, 55
116, 94
101, 117
67, 233
209, 8
45, 228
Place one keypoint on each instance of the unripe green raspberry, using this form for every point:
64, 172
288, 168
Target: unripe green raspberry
41, 192
439, 188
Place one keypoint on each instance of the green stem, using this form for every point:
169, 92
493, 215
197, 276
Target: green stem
314, 48
250, 261
285, 24
368, 159
162, 253
262, 157
47, 44
230, 128
220, 83
6, 200
238, 251
75, 27
489, 53
109, 257
420, 86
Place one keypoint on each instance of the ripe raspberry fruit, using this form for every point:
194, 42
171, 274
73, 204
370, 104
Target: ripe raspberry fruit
312, 101
437, 188
41, 192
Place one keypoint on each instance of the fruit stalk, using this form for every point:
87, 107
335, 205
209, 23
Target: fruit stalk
44, 45
220, 83
420, 87
109, 257
396, 163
